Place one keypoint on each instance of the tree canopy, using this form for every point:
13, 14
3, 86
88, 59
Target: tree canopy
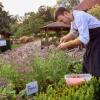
68, 3
32, 22
5, 20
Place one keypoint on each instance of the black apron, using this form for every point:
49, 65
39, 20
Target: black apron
91, 60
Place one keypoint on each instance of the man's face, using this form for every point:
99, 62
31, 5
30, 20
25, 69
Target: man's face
65, 18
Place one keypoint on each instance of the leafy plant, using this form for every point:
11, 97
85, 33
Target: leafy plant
95, 11
7, 93
49, 70
8, 72
60, 91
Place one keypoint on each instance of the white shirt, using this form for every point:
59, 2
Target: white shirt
83, 22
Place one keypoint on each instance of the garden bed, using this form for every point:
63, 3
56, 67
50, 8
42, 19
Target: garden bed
49, 73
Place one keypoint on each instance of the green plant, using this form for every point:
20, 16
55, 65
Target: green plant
8, 72
10, 75
14, 46
7, 93
49, 70
95, 11
61, 91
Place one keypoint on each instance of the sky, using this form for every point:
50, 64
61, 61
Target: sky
20, 7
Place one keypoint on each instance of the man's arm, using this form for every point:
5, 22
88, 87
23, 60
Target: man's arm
71, 44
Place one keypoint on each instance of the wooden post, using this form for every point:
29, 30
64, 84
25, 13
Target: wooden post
47, 42
41, 40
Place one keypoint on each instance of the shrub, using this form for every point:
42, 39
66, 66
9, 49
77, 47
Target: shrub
7, 93
95, 11
60, 91
49, 70
25, 39
9, 75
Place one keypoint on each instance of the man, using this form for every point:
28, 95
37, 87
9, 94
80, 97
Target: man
85, 31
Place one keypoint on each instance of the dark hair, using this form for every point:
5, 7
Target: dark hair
60, 11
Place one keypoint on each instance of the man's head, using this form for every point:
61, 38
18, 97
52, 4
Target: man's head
63, 15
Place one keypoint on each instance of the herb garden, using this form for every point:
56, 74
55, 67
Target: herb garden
26, 63
49, 73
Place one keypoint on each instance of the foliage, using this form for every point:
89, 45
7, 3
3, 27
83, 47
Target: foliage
30, 25
46, 13
95, 11
11, 76
32, 22
5, 20
67, 3
7, 93
60, 91
49, 73
49, 70
14, 46
14, 27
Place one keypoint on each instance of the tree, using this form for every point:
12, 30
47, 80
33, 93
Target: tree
95, 11
68, 3
46, 13
31, 25
5, 20
32, 22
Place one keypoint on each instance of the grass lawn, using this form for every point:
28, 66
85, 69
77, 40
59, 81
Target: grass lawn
14, 46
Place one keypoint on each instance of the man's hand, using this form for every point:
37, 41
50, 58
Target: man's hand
67, 38
70, 44
63, 39
62, 46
